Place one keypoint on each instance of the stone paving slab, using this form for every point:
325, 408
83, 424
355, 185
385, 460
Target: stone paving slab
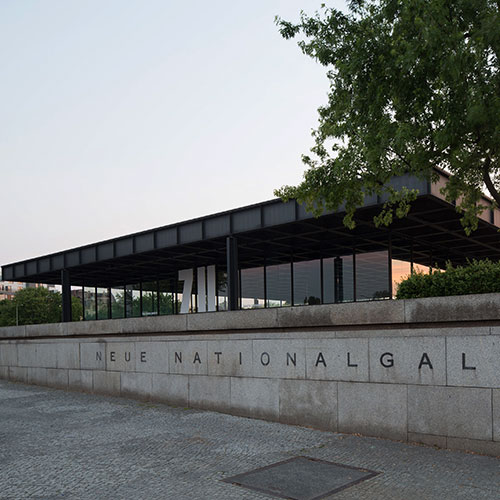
60, 445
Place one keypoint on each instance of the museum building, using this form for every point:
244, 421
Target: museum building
271, 254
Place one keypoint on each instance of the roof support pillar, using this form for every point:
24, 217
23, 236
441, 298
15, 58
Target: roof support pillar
232, 272
66, 296
338, 279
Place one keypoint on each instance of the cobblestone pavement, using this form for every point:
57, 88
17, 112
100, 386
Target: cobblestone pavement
61, 445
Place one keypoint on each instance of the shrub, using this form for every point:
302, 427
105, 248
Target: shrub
478, 276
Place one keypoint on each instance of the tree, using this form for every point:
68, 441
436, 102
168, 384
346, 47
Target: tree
414, 84
36, 305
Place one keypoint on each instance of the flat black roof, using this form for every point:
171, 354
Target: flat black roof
270, 232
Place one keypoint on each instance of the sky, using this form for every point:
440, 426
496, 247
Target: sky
118, 116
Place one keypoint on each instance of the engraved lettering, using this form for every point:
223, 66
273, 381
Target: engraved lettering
464, 364
349, 360
290, 359
127, 356
240, 358
320, 359
112, 356
98, 356
143, 357
265, 359
218, 357
425, 361
196, 358
386, 360
178, 357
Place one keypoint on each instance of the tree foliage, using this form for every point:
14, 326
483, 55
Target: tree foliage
32, 306
414, 84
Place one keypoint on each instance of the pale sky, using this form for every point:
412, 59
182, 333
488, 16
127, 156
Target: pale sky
122, 115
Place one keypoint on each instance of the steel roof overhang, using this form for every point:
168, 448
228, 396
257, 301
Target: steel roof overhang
269, 232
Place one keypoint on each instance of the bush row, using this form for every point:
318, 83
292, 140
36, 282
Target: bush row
478, 276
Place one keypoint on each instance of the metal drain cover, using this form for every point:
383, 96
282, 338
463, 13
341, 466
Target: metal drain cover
301, 478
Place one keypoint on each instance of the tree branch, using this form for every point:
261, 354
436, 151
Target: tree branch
489, 183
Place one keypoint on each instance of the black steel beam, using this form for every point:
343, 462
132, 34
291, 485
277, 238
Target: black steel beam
66, 296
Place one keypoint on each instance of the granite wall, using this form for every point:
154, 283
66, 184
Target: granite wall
424, 370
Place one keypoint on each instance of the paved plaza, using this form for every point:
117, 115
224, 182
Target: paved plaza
62, 445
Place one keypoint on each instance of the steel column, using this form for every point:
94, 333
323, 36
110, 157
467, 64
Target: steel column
338, 279
66, 296
232, 272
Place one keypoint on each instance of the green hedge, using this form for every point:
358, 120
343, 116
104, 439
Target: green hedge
479, 276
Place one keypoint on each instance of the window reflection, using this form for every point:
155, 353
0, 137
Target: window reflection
307, 282
372, 275
133, 301
400, 271
222, 298
149, 298
77, 292
252, 288
166, 296
102, 303
419, 268
118, 302
338, 279
89, 302
279, 285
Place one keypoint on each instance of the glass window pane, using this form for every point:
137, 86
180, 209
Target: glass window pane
400, 271
167, 296
222, 300
338, 279
76, 303
372, 275
252, 288
328, 281
420, 268
150, 298
279, 285
89, 302
133, 301
307, 282
118, 302
102, 303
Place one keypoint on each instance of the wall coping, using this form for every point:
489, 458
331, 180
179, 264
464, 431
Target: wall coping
479, 308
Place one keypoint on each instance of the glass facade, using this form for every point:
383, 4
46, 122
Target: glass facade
117, 296
222, 300
166, 297
252, 288
77, 295
279, 285
338, 279
372, 276
133, 301
307, 282
401, 269
103, 304
150, 298
343, 278
89, 303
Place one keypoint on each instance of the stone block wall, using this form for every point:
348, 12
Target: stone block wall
390, 373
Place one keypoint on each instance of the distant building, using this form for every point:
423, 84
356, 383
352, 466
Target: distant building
9, 288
